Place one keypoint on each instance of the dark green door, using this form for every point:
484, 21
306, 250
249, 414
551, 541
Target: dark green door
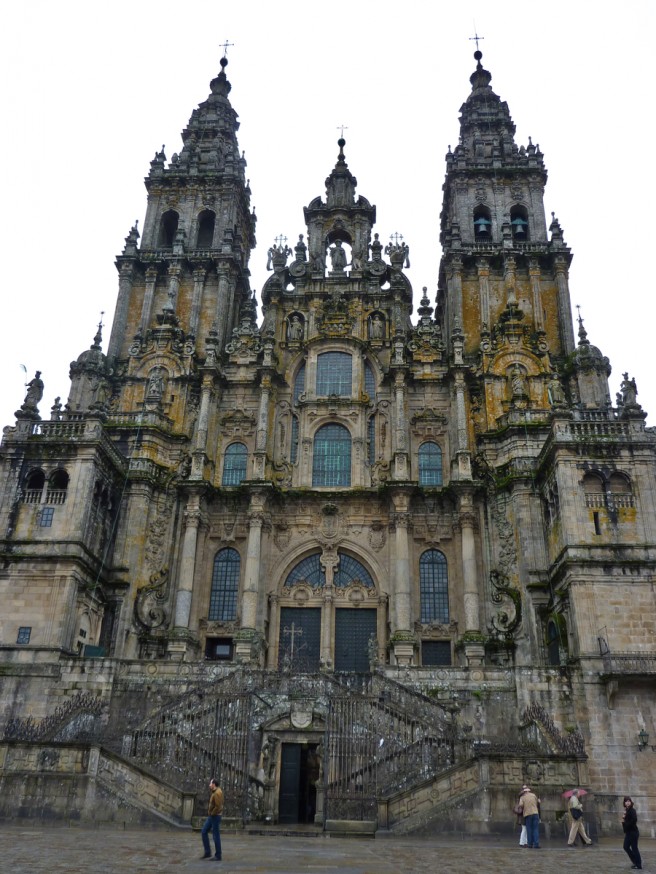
354, 628
290, 777
300, 639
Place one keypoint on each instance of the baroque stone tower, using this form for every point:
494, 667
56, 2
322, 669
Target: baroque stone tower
237, 541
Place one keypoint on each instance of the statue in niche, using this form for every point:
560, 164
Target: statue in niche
629, 391
376, 327
319, 262
518, 386
34, 392
295, 330
155, 386
338, 257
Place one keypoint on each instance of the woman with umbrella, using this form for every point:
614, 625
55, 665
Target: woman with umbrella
631, 833
575, 809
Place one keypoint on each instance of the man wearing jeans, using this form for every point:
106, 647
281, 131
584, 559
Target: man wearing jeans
530, 804
213, 822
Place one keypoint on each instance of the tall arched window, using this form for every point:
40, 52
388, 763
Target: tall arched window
369, 381
57, 486
434, 587
234, 464
225, 584
482, 223
34, 484
168, 227
519, 223
430, 464
331, 464
334, 374
206, 229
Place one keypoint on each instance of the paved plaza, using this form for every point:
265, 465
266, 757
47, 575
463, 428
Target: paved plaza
113, 851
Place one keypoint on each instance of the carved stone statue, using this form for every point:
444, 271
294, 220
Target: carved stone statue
34, 393
338, 257
629, 391
518, 385
376, 327
300, 249
295, 330
155, 386
555, 390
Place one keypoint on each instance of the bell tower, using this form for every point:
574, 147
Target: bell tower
504, 272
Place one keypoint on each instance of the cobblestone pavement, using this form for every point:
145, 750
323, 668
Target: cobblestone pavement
107, 851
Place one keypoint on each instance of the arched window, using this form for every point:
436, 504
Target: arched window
593, 488
308, 570
205, 229
234, 464
482, 223
553, 643
433, 587
519, 223
225, 584
369, 381
371, 440
57, 486
334, 374
430, 464
34, 484
168, 227
331, 464
349, 570
293, 448
619, 491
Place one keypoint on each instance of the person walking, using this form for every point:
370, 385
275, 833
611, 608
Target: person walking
530, 805
213, 822
575, 809
631, 833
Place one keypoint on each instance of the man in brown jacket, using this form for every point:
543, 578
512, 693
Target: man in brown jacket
213, 822
530, 804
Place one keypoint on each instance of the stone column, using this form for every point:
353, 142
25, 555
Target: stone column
401, 597
126, 274
329, 561
151, 280
197, 298
251, 586
510, 279
484, 291
200, 441
174, 272
192, 517
400, 448
564, 310
474, 649
454, 281
225, 306
259, 458
534, 273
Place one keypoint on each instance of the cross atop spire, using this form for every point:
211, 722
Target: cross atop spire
341, 128
476, 38
225, 47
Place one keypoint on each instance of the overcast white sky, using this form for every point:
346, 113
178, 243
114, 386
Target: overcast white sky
90, 90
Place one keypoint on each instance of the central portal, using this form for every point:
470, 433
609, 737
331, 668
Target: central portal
299, 771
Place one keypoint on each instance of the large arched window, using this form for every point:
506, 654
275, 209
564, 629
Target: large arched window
168, 228
234, 464
349, 570
309, 571
57, 486
205, 229
334, 374
430, 464
225, 584
434, 587
331, 464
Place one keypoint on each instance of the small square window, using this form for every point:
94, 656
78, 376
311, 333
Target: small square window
83, 632
24, 634
45, 517
218, 649
435, 652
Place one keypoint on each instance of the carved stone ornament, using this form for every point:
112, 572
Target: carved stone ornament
150, 605
238, 423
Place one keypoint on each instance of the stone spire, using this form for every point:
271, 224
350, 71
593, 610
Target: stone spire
341, 184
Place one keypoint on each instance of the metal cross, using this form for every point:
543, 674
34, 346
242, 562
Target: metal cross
342, 128
280, 240
396, 237
293, 632
225, 46
477, 37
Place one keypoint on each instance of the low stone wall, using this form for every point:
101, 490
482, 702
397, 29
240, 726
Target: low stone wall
84, 783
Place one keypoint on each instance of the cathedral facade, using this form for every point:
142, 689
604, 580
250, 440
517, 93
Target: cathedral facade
360, 565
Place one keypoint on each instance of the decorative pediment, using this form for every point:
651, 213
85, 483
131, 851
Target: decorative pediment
238, 423
428, 423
